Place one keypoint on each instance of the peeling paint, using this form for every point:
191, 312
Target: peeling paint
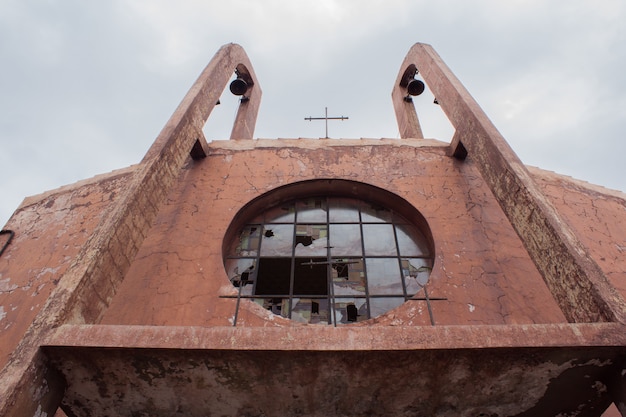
51, 229
47, 270
6, 286
40, 412
493, 382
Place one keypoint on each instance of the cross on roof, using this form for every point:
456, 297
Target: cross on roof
326, 118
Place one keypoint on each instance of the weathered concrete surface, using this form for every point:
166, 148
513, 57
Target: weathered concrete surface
596, 214
406, 116
481, 266
327, 338
492, 382
49, 231
533, 370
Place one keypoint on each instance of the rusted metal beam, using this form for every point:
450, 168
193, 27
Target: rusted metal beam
576, 281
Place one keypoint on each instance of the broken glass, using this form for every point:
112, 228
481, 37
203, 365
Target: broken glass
348, 277
318, 258
277, 240
241, 273
415, 272
307, 310
278, 306
349, 310
311, 240
249, 239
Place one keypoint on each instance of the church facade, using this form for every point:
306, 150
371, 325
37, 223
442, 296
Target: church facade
317, 277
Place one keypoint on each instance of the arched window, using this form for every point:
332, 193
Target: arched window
329, 260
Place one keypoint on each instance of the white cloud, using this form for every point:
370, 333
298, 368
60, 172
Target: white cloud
87, 86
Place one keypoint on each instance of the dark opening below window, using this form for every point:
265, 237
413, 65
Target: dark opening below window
310, 276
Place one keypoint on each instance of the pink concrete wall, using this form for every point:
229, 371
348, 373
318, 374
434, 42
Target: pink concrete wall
480, 266
597, 215
49, 231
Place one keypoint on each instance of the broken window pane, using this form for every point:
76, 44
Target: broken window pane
307, 310
349, 310
311, 240
278, 306
273, 276
416, 272
277, 240
329, 260
241, 273
348, 277
310, 277
248, 243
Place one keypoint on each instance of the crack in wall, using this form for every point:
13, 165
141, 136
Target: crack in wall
451, 195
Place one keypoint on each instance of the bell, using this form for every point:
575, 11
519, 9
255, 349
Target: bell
238, 87
414, 88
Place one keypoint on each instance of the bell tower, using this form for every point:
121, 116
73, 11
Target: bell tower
322, 277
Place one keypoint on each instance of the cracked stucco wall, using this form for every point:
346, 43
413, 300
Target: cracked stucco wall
177, 277
49, 231
598, 216
481, 266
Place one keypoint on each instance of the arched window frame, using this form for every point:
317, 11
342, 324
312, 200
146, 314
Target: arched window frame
305, 239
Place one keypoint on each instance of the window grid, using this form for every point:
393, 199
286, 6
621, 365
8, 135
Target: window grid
298, 209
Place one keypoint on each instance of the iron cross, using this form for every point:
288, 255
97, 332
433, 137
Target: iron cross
326, 118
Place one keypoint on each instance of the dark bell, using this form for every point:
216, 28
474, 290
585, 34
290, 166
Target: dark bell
238, 87
415, 87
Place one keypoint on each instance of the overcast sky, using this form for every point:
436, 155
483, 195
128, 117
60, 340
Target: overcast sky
86, 86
